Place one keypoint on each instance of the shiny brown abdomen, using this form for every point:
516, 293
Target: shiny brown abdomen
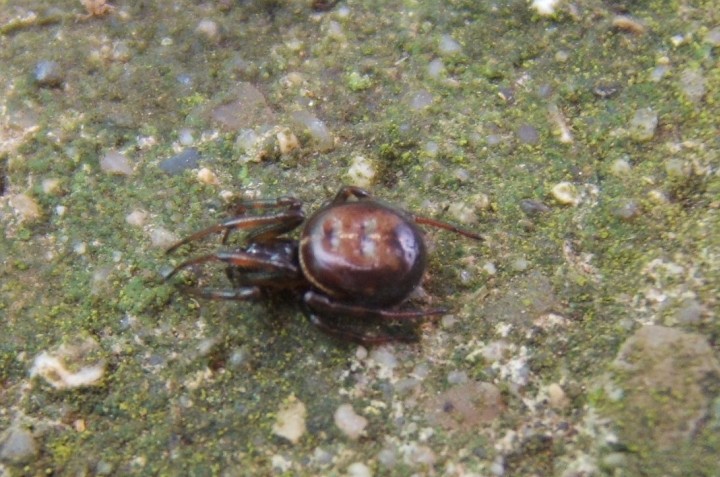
363, 252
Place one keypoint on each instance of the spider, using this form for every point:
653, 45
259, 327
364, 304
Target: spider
357, 258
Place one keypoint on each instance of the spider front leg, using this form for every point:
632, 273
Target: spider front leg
319, 308
346, 192
260, 228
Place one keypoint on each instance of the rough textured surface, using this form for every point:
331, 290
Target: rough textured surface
587, 314
668, 379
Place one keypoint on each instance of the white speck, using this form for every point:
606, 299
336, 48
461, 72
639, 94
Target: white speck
362, 171
185, 136
358, 469
136, 218
209, 29
566, 193
80, 248
280, 463
349, 422
60, 367
114, 162
206, 176
162, 238
545, 7
290, 420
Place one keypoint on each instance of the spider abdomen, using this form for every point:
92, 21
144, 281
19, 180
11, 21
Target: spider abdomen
363, 252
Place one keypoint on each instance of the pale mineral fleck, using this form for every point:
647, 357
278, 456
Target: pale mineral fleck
349, 422
290, 420
362, 171
544, 7
68, 366
25, 207
136, 218
162, 238
206, 176
114, 162
566, 193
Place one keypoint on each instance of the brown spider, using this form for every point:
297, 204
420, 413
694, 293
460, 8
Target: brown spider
357, 258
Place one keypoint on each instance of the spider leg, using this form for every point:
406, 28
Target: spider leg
289, 203
324, 305
268, 226
240, 259
445, 226
320, 310
332, 328
346, 192
240, 294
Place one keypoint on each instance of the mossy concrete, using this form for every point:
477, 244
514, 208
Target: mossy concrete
192, 388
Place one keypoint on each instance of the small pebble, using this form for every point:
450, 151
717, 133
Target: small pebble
70, 365
384, 357
676, 168
349, 422
693, 85
489, 268
528, 134
206, 176
629, 24
463, 213
435, 68
690, 312
387, 458
323, 140
51, 186
457, 377
420, 100
713, 37
187, 159
185, 136
643, 124
519, 264
362, 171
358, 469
17, 445
25, 207
557, 397
566, 193
620, 167
627, 209
322, 457
480, 201
431, 148
48, 74
448, 45
287, 141
162, 238
114, 162
659, 72
208, 29
136, 218
658, 197
533, 207
422, 455
544, 7
290, 420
